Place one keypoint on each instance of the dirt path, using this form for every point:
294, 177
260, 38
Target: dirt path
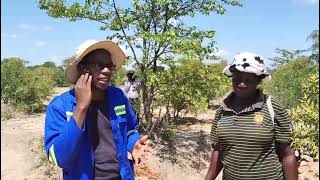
17, 136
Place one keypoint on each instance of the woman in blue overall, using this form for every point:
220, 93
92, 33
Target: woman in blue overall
91, 130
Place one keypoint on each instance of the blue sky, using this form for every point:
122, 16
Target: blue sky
259, 26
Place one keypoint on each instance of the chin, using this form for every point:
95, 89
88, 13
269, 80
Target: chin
241, 94
102, 86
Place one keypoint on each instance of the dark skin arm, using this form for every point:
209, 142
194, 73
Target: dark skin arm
288, 159
215, 165
84, 97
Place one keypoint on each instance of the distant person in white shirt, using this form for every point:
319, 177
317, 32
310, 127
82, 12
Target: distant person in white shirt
132, 88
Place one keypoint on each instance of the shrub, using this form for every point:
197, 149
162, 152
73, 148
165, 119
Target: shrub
60, 79
190, 86
306, 118
12, 74
119, 77
287, 81
7, 112
25, 88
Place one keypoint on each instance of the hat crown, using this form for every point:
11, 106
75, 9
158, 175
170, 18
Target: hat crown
82, 47
250, 58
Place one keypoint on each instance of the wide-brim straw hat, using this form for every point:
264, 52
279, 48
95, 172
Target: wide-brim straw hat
117, 56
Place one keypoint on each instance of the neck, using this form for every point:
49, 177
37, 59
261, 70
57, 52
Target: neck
98, 94
248, 100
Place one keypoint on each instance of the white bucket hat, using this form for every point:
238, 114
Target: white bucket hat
248, 62
117, 56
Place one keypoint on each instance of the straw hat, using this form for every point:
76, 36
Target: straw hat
117, 56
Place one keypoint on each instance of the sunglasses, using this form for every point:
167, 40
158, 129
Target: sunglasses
98, 67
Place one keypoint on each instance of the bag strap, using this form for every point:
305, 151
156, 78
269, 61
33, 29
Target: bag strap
270, 108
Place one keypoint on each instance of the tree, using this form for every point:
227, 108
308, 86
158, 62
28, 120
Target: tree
12, 73
284, 56
286, 84
67, 61
190, 86
119, 77
5, 60
306, 117
314, 37
153, 30
24, 88
49, 64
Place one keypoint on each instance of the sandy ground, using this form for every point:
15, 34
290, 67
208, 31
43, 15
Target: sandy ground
17, 145
183, 157
19, 138
186, 156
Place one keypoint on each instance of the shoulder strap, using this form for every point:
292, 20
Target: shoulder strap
270, 108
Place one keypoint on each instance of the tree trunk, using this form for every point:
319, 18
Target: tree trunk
146, 101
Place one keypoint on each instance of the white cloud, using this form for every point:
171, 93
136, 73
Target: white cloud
47, 28
219, 52
311, 1
115, 39
40, 44
26, 26
139, 40
56, 59
30, 27
174, 22
307, 2
13, 36
9, 35
126, 51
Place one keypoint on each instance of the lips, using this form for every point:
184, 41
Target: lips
103, 80
241, 88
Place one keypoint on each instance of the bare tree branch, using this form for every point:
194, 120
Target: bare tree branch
125, 35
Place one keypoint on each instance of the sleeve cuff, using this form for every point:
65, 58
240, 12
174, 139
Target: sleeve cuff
133, 138
75, 129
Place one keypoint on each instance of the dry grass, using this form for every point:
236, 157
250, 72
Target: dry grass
43, 165
144, 172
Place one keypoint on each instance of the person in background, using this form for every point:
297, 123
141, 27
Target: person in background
90, 129
132, 88
251, 132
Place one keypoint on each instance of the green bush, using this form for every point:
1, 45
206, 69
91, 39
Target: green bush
7, 112
190, 86
12, 74
51, 71
119, 77
24, 88
218, 83
60, 79
286, 84
306, 118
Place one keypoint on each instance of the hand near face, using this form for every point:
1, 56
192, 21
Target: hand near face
141, 151
83, 91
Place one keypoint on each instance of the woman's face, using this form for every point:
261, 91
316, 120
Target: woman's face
245, 84
100, 66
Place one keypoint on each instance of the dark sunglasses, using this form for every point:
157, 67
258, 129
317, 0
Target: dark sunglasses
98, 67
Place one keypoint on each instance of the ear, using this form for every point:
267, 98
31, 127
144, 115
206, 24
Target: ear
82, 69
